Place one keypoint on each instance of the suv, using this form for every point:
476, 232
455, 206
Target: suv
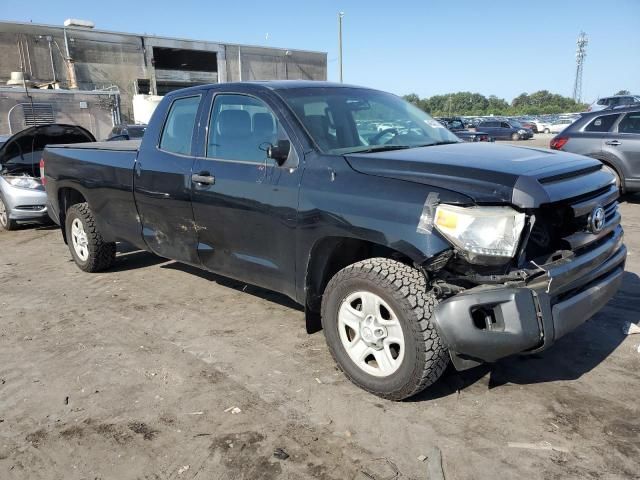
505, 130
614, 101
611, 136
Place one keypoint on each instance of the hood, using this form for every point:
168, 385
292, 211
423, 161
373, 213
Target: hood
489, 173
21, 153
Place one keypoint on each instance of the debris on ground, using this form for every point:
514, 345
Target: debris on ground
195, 413
630, 328
538, 446
280, 454
183, 469
422, 458
66, 400
434, 466
233, 410
318, 380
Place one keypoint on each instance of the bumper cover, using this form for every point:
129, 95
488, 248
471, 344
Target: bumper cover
23, 203
486, 323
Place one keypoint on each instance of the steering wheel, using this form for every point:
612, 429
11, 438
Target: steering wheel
376, 138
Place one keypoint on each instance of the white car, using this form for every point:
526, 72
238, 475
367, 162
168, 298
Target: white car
543, 127
559, 125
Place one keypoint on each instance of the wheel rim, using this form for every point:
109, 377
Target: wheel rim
3, 214
371, 333
79, 239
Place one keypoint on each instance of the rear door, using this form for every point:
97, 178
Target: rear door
625, 143
162, 184
244, 204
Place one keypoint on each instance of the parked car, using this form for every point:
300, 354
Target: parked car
126, 132
22, 196
530, 125
613, 137
613, 101
457, 126
505, 130
542, 126
412, 247
560, 124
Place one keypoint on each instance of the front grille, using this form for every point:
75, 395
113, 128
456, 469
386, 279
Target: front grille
565, 225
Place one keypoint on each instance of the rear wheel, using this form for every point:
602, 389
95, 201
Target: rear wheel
546, 130
5, 221
88, 249
515, 136
376, 316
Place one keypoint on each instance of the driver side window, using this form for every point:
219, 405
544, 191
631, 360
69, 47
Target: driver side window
241, 128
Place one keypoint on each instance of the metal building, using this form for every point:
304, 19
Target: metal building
83, 58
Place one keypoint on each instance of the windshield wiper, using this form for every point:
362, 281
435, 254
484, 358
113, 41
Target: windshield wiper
382, 148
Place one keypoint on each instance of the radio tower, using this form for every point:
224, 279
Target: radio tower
581, 52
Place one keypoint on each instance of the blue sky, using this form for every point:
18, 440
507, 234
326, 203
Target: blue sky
423, 46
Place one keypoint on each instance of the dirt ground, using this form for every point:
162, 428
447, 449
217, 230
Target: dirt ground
134, 373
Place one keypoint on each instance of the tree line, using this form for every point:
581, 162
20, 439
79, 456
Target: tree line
468, 103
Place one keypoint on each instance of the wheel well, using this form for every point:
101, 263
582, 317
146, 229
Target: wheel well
331, 255
66, 198
611, 165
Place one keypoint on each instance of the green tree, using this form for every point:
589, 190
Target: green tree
623, 92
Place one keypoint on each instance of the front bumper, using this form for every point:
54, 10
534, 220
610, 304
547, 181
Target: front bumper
486, 323
23, 203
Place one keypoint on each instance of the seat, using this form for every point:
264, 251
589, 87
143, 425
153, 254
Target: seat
318, 126
234, 136
263, 128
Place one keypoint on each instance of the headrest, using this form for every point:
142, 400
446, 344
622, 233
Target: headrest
263, 123
234, 123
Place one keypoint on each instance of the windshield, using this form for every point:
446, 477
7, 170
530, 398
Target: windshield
346, 120
515, 123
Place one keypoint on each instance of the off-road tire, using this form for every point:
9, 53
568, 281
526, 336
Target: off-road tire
8, 224
405, 289
102, 255
515, 136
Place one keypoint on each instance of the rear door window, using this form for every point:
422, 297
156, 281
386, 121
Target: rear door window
178, 128
601, 124
630, 123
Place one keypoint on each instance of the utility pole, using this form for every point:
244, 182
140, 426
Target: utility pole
581, 52
340, 15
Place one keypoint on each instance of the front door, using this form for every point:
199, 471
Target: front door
246, 208
162, 185
625, 144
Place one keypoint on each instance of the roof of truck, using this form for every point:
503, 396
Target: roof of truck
270, 84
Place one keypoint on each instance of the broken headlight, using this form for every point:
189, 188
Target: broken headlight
22, 181
482, 234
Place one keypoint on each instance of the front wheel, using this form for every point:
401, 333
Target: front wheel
376, 316
5, 222
88, 249
515, 136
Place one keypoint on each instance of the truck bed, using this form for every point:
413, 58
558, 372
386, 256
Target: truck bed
120, 146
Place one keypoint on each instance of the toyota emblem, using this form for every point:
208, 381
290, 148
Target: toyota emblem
597, 220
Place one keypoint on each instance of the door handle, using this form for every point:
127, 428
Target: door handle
613, 142
203, 178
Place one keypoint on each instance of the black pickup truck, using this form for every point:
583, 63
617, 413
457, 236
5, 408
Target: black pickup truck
411, 247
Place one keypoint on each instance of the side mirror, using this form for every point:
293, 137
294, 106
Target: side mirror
279, 152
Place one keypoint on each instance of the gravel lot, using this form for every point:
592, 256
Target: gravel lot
132, 374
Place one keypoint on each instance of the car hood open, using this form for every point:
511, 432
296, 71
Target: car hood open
488, 173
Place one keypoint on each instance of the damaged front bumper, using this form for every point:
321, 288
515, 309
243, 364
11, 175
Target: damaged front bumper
489, 322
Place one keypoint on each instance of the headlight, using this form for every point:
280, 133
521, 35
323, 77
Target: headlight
23, 182
481, 231
521, 131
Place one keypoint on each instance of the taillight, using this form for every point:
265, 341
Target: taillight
558, 142
42, 178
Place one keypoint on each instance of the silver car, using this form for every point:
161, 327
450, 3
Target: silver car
22, 195
611, 136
